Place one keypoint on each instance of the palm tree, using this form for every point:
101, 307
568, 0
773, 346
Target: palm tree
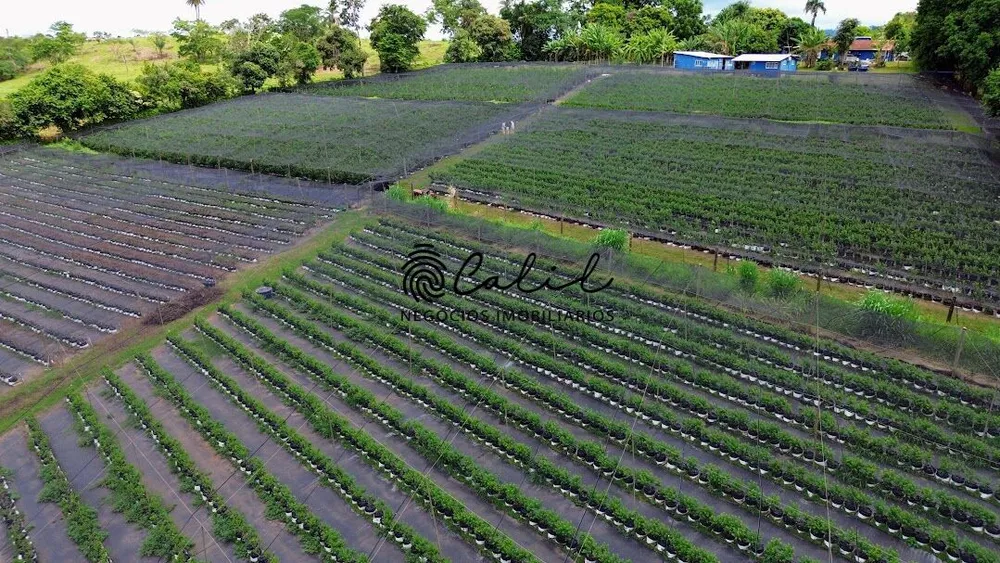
810, 44
729, 36
196, 4
664, 44
814, 7
600, 41
640, 49
696, 43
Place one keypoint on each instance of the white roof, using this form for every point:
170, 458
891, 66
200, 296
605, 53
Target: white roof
750, 58
702, 55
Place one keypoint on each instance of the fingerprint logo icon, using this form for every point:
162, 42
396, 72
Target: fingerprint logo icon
423, 274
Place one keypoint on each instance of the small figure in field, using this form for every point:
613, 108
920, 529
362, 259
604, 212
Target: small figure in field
503, 128
512, 126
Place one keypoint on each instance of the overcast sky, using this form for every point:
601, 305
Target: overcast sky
120, 17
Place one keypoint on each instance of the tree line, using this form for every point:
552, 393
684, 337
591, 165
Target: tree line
241, 57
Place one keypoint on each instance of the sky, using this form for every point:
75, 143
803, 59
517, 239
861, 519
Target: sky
120, 17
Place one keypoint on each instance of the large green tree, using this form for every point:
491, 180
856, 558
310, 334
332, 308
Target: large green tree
847, 30
182, 84
198, 41
973, 39
535, 23
59, 44
454, 15
306, 23
70, 96
900, 29
688, 20
341, 49
255, 65
395, 34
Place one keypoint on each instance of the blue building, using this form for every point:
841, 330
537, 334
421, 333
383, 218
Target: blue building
863, 48
700, 60
765, 64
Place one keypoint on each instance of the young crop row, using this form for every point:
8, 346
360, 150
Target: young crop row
590, 454
787, 98
609, 507
333, 426
377, 512
17, 529
858, 394
343, 140
128, 494
882, 368
43, 186
783, 473
447, 457
228, 524
92, 170
508, 84
827, 207
955, 410
88, 177
890, 484
81, 519
854, 396
315, 536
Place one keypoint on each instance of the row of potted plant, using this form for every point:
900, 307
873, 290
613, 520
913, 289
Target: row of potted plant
640, 324
364, 503
830, 351
129, 251
128, 494
887, 449
973, 448
333, 426
591, 454
506, 497
788, 473
82, 524
228, 524
316, 536
515, 452
13, 519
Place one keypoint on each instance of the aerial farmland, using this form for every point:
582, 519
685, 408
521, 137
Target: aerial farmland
216, 344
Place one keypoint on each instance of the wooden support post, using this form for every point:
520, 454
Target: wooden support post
958, 350
951, 308
819, 280
560, 225
715, 262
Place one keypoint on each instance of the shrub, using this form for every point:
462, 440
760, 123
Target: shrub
991, 92
70, 96
883, 303
783, 283
183, 85
824, 64
777, 552
8, 122
749, 275
616, 239
887, 318
432, 202
397, 192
